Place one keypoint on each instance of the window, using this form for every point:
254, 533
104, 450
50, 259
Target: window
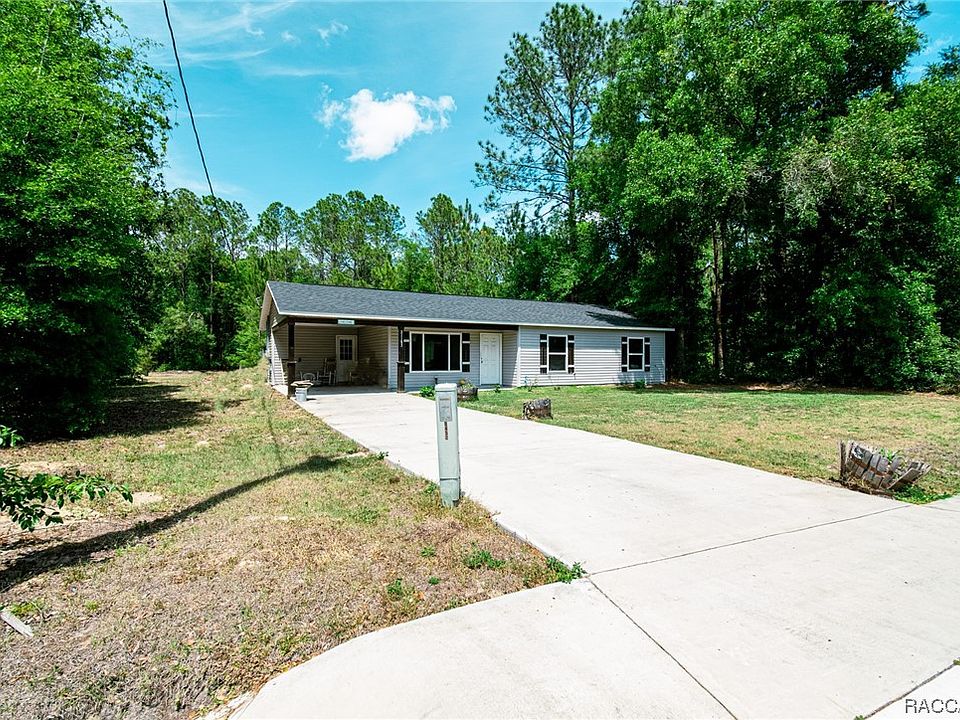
345, 349
436, 352
634, 354
556, 353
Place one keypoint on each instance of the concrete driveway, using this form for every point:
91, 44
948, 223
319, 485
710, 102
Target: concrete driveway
714, 589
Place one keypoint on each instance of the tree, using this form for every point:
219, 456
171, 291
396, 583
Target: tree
744, 171
542, 103
353, 239
468, 257
83, 122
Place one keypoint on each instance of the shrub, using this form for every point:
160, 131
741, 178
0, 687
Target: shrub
427, 391
181, 341
245, 348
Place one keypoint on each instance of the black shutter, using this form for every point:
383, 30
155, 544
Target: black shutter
646, 354
623, 354
570, 363
543, 354
405, 350
465, 352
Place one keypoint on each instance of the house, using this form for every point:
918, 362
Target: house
406, 340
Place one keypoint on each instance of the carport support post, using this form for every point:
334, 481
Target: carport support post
401, 361
448, 444
291, 357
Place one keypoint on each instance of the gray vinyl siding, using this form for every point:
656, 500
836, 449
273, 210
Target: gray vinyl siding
511, 364
416, 380
596, 357
372, 343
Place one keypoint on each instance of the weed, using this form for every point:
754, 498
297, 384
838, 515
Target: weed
639, 384
433, 580
918, 495
364, 515
497, 389
9, 437
397, 590
478, 558
428, 551
91, 606
562, 572
27, 609
427, 391
454, 603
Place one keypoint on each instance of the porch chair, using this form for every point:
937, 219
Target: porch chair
328, 372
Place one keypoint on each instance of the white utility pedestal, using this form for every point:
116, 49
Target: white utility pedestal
448, 443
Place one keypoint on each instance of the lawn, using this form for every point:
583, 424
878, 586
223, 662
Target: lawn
258, 538
795, 432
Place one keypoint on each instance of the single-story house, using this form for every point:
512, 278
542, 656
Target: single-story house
405, 340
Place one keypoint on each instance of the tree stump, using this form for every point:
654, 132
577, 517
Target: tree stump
540, 408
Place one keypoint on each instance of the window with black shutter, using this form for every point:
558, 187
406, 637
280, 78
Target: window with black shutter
570, 361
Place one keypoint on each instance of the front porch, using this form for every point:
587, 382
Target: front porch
338, 355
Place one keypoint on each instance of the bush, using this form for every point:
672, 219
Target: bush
245, 348
180, 341
427, 391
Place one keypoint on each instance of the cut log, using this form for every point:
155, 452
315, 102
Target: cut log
540, 408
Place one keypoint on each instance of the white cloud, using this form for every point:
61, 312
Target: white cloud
289, 37
334, 28
377, 128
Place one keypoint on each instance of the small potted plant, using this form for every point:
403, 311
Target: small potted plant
466, 390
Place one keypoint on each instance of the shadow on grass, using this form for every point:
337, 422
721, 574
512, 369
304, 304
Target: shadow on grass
62, 555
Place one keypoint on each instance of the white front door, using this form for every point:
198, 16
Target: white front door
491, 361
346, 356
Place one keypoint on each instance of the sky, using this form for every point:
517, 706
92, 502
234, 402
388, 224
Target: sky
296, 100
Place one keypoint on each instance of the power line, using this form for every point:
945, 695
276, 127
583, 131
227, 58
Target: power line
193, 122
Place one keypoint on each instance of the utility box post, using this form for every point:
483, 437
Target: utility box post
448, 443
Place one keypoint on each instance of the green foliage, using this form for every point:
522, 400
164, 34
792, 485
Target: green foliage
918, 495
428, 551
181, 341
542, 103
433, 580
9, 437
562, 572
427, 391
27, 499
83, 121
397, 590
478, 558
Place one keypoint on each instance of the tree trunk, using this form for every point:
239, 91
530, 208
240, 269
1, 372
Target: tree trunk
716, 292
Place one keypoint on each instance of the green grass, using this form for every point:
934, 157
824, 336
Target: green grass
260, 538
795, 432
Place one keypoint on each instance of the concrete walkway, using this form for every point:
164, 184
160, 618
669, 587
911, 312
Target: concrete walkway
714, 589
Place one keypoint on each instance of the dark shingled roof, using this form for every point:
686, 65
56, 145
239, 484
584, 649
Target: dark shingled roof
364, 303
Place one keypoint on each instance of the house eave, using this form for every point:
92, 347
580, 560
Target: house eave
412, 321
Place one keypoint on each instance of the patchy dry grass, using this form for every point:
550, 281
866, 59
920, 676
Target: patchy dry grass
260, 538
787, 431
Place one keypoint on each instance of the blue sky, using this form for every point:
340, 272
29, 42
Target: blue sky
295, 100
